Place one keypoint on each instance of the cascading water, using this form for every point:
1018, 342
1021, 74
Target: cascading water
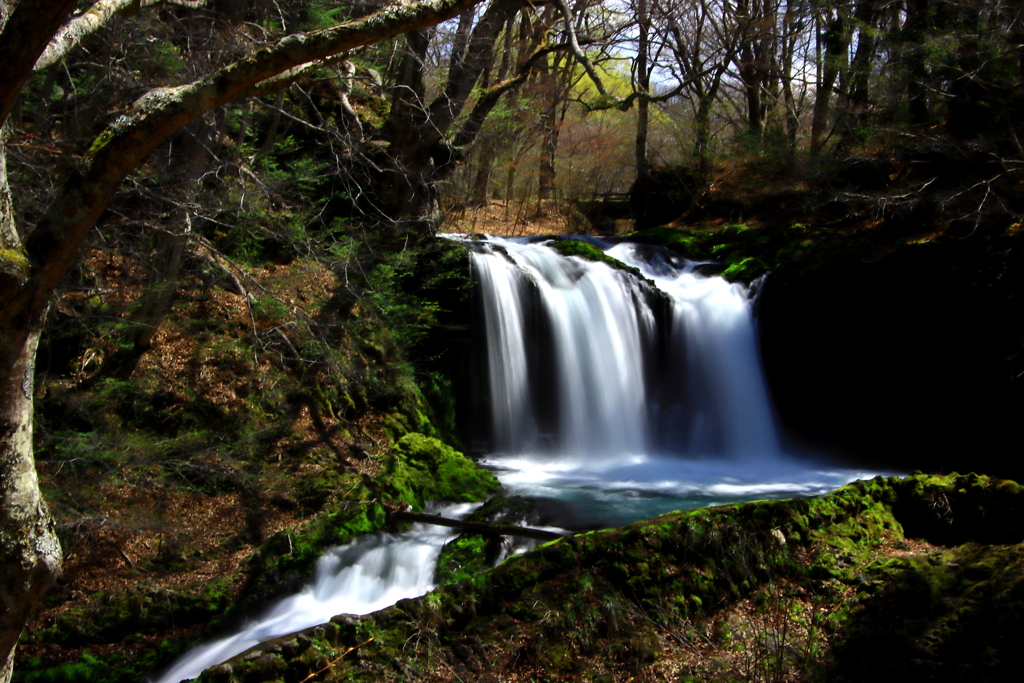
626, 398
596, 354
369, 574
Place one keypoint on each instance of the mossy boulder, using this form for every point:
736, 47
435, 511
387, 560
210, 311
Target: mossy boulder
466, 556
421, 468
415, 470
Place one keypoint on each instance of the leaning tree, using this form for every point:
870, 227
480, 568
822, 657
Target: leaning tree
34, 258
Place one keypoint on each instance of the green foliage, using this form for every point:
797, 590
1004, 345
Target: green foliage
325, 15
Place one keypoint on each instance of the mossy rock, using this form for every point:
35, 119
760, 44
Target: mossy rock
421, 468
465, 556
514, 510
415, 470
582, 249
951, 615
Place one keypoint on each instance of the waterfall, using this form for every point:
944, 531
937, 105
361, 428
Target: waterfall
618, 396
615, 366
622, 397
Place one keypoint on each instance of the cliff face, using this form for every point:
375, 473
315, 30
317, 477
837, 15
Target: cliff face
909, 358
892, 314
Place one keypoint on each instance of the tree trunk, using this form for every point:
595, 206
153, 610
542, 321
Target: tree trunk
30, 556
702, 135
546, 169
422, 153
916, 31
836, 39
476, 527
856, 110
409, 192
750, 75
482, 178
643, 82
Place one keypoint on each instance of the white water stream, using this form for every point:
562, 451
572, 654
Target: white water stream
617, 401
372, 573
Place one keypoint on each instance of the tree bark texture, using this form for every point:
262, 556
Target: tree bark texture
643, 82
30, 554
836, 39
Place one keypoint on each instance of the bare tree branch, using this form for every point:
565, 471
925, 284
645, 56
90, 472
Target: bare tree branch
93, 19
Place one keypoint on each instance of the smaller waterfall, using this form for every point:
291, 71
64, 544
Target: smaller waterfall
586, 357
371, 573
721, 400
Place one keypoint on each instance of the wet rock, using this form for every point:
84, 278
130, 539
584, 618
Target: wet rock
218, 674
347, 624
266, 668
330, 633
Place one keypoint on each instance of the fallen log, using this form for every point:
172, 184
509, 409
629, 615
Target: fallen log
476, 527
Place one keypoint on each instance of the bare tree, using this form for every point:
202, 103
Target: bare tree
703, 39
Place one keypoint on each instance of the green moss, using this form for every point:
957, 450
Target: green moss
745, 269
466, 556
746, 253
571, 247
101, 141
14, 262
420, 468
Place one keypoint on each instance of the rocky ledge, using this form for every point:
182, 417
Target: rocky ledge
918, 576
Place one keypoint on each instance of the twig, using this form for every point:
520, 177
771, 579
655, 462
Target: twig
335, 661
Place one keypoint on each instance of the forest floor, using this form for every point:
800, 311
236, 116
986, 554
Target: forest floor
149, 499
137, 514
514, 219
